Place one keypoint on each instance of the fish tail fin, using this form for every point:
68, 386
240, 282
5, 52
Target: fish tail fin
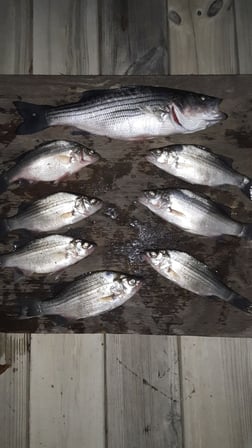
247, 189
247, 232
241, 302
3, 260
4, 228
34, 117
30, 308
3, 183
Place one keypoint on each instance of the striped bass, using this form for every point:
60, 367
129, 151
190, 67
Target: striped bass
128, 113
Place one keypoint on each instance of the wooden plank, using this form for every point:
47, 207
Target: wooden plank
118, 179
16, 36
14, 390
243, 15
67, 391
217, 392
133, 37
201, 37
143, 397
65, 37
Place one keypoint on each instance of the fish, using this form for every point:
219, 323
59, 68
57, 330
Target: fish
193, 275
93, 294
197, 165
47, 255
52, 213
127, 113
193, 213
49, 162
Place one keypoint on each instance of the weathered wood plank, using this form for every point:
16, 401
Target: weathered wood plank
143, 397
133, 37
15, 36
118, 179
243, 16
65, 36
201, 37
14, 390
67, 391
217, 392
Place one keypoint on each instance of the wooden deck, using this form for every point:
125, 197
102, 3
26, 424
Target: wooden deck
140, 391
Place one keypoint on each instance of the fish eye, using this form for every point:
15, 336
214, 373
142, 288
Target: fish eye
85, 245
158, 152
203, 98
153, 254
163, 252
151, 193
93, 201
91, 151
132, 282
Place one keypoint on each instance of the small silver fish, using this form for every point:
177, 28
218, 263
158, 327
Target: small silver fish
189, 273
52, 213
94, 294
193, 213
197, 165
128, 113
47, 255
50, 162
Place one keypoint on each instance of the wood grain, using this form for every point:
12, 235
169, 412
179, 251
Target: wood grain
67, 391
133, 37
217, 392
14, 390
118, 179
243, 14
201, 37
65, 37
143, 397
16, 36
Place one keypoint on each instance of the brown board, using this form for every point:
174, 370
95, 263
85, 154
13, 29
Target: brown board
123, 229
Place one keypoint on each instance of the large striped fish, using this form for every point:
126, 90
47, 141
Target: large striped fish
128, 113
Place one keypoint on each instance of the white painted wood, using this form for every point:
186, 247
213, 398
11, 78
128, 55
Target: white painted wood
67, 391
217, 392
142, 395
65, 37
243, 15
133, 37
15, 36
200, 42
14, 390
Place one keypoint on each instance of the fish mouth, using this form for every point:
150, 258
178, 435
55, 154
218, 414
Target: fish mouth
174, 116
218, 117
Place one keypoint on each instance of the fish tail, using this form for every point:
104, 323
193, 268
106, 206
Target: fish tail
3, 259
34, 117
241, 302
4, 227
247, 232
3, 183
30, 308
247, 189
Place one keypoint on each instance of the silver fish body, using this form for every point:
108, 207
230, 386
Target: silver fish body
51, 162
94, 294
197, 165
193, 275
53, 212
133, 112
47, 255
192, 213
